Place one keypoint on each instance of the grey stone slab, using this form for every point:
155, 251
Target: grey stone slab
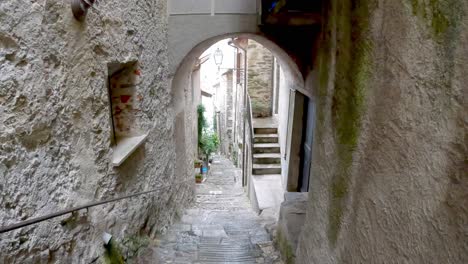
221, 227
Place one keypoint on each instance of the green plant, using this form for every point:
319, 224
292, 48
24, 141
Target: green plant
113, 254
209, 143
197, 163
201, 123
198, 178
215, 123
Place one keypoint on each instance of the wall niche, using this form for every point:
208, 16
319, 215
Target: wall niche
126, 135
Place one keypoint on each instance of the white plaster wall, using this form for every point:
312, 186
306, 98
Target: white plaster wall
180, 7
283, 116
404, 189
235, 6
189, 7
186, 32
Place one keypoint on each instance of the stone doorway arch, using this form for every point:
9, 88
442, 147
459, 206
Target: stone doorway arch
184, 108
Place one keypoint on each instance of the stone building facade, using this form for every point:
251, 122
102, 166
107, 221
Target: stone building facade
260, 79
56, 140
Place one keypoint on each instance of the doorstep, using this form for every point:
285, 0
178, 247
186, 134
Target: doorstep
268, 191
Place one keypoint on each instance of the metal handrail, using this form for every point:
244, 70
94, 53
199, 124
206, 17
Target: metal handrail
250, 119
250, 123
78, 208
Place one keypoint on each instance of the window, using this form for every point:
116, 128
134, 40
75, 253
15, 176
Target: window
126, 135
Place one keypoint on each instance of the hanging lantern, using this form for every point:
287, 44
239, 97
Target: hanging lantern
218, 57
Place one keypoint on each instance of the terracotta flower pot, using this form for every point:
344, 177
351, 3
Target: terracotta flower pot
198, 179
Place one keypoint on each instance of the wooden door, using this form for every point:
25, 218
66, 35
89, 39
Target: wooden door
307, 141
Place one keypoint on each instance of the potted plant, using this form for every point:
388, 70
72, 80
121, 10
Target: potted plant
210, 143
197, 164
198, 178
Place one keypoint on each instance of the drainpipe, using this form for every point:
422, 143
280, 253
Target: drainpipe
244, 157
230, 43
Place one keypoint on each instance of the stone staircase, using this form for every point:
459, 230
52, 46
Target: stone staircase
266, 169
267, 155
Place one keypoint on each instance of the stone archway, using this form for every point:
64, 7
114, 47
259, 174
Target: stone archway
184, 109
181, 77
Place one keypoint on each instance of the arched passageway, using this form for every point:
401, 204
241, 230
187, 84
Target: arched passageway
185, 114
181, 77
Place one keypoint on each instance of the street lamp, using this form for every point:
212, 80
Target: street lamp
218, 57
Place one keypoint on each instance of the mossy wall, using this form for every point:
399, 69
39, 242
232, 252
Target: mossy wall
353, 63
388, 160
285, 248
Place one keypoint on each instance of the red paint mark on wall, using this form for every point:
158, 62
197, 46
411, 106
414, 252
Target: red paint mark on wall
125, 98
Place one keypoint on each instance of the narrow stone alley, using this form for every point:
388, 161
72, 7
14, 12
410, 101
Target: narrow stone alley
220, 227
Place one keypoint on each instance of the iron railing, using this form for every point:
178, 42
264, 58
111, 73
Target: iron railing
78, 208
250, 121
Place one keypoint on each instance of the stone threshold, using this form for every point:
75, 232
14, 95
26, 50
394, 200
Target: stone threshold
268, 191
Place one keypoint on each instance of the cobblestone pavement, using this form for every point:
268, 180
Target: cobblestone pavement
221, 227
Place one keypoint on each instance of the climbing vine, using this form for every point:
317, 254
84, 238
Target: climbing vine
201, 123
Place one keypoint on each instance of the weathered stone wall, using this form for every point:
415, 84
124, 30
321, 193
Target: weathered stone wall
260, 79
55, 145
388, 181
225, 106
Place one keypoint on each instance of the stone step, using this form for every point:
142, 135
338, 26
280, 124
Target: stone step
265, 130
264, 169
266, 138
266, 148
267, 158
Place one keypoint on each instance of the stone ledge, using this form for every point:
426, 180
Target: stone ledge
125, 147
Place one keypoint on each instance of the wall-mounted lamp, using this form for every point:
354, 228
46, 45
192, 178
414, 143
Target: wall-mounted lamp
218, 57
80, 8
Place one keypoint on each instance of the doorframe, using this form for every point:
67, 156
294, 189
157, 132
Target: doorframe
309, 104
295, 127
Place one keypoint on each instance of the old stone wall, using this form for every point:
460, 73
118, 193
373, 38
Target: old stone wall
388, 181
55, 128
260, 79
225, 106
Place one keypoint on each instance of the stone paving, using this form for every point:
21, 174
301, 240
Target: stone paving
220, 227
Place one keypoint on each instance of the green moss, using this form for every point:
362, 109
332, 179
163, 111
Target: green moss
353, 66
113, 254
134, 243
439, 15
443, 18
285, 248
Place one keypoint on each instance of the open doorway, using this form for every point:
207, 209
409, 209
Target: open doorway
306, 145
